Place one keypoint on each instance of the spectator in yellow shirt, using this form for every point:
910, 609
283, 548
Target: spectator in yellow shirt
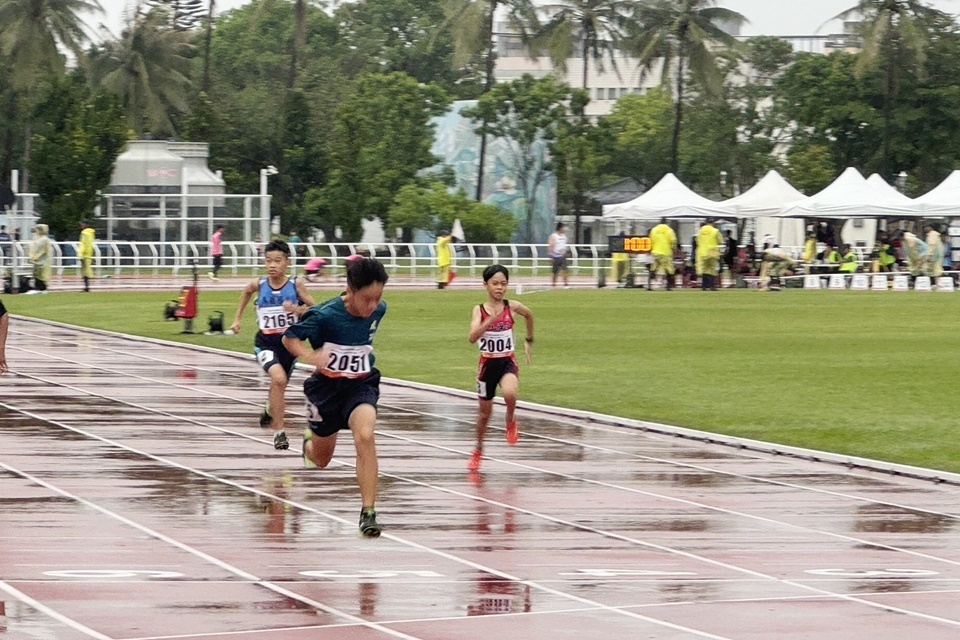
444, 259
85, 252
663, 241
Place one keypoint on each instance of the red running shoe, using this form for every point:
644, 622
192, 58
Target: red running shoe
474, 464
513, 434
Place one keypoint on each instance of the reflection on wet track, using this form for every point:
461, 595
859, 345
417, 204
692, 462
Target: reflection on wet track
140, 499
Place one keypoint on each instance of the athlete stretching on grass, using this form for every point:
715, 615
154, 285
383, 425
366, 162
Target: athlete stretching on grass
345, 387
280, 300
492, 327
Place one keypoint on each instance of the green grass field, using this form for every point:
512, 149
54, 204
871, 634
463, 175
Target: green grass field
859, 373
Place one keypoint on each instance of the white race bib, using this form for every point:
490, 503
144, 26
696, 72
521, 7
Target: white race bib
496, 344
347, 361
275, 319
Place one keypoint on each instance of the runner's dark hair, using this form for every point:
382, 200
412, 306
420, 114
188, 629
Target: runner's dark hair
362, 272
493, 270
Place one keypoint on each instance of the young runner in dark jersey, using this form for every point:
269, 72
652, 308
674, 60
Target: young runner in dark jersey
345, 387
280, 300
492, 329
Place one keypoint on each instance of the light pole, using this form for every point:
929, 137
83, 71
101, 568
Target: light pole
266, 226
723, 183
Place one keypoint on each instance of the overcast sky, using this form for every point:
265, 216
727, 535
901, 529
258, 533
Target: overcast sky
767, 17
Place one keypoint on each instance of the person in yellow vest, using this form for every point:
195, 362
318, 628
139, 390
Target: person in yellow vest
444, 259
41, 255
848, 260
85, 252
810, 248
619, 264
708, 255
663, 242
883, 255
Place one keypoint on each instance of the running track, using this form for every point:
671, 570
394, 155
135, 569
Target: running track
140, 500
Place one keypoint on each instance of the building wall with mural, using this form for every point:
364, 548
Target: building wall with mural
458, 147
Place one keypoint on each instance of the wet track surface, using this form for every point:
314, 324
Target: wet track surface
139, 499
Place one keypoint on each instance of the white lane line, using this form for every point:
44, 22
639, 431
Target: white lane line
153, 533
533, 584
642, 543
470, 421
256, 580
559, 474
50, 612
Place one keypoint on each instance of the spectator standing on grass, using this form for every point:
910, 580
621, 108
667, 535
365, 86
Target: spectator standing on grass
663, 243
4, 323
933, 260
41, 256
87, 238
731, 249
708, 255
947, 253
216, 252
914, 250
557, 250
444, 259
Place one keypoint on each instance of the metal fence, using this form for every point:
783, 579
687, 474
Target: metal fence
417, 260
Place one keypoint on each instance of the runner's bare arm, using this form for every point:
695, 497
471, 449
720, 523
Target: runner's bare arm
248, 292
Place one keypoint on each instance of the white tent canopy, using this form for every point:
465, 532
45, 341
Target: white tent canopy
943, 200
669, 198
852, 196
766, 198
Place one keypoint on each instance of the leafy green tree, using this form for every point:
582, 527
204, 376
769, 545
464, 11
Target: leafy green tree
810, 168
381, 140
32, 33
894, 39
578, 161
828, 103
589, 29
433, 208
76, 147
680, 37
382, 36
150, 69
525, 113
639, 133
471, 24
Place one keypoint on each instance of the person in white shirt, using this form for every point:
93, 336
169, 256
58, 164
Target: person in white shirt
557, 249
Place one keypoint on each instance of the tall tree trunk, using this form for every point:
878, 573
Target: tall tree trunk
299, 39
677, 119
6, 166
208, 37
585, 58
490, 67
888, 96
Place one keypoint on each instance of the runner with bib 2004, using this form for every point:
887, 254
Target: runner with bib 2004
279, 302
345, 387
491, 329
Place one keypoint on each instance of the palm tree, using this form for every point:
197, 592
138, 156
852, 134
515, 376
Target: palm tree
471, 23
595, 28
299, 41
149, 68
682, 34
32, 35
894, 38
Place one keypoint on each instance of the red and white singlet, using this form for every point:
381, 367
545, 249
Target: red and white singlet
497, 341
